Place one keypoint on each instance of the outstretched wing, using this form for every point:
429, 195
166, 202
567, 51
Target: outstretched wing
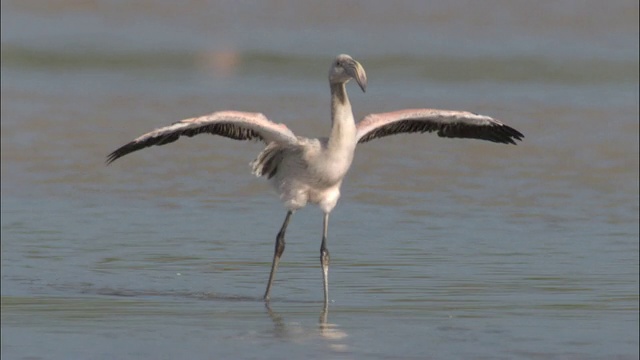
447, 123
232, 124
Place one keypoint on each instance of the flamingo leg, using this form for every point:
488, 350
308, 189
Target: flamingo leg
324, 259
279, 249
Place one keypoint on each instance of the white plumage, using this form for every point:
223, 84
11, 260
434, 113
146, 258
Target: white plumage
304, 170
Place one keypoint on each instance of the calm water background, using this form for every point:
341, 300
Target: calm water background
440, 248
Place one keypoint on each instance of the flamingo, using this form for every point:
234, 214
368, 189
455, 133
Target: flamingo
311, 170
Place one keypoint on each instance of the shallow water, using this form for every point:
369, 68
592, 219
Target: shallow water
440, 248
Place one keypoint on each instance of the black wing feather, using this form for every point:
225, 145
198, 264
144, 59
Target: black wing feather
498, 133
229, 130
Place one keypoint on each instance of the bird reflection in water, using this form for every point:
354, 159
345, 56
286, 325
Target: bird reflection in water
328, 331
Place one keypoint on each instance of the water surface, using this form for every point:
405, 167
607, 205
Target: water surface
440, 248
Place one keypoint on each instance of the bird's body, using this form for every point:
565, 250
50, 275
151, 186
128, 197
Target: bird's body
304, 172
311, 170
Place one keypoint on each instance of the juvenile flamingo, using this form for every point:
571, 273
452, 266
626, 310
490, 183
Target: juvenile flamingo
306, 170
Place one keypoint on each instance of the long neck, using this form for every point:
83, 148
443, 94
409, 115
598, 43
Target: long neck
343, 129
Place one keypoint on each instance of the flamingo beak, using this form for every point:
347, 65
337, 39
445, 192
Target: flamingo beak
356, 71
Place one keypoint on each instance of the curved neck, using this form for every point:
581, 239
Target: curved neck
343, 127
